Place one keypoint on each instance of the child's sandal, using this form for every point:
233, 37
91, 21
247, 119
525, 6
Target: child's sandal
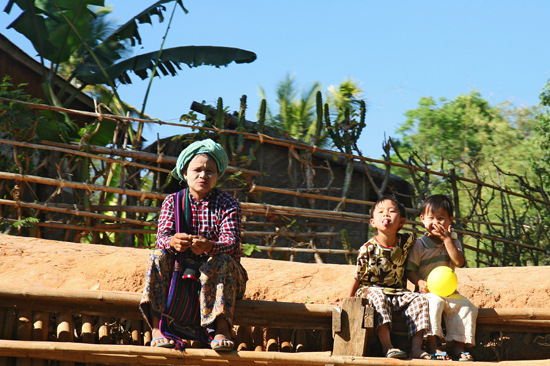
463, 356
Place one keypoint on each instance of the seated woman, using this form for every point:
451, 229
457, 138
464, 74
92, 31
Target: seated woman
202, 225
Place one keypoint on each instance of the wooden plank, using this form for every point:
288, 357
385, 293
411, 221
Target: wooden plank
351, 340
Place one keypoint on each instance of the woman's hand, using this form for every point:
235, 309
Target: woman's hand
181, 241
201, 245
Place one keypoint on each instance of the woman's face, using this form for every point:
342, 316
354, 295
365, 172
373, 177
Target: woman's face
201, 175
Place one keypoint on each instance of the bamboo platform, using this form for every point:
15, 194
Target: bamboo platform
30, 313
247, 312
131, 355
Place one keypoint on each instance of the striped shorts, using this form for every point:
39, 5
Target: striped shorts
413, 306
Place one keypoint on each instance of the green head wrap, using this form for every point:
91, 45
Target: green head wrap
209, 147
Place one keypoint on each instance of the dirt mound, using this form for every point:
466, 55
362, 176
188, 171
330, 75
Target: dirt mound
31, 262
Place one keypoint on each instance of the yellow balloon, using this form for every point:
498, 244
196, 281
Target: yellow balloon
442, 281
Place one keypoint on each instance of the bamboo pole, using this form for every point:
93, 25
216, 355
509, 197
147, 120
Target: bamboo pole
24, 325
301, 340
142, 155
265, 210
258, 338
24, 332
65, 333
47, 207
285, 340
272, 339
9, 324
65, 328
290, 234
308, 195
3, 311
307, 250
103, 332
243, 340
147, 334
136, 326
132, 355
68, 149
84, 186
41, 322
88, 329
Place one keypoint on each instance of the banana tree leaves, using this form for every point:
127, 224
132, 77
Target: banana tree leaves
129, 30
170, 60
42, 23
108, 51
56, 40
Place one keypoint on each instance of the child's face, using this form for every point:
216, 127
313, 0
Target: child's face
387, 217
431, 218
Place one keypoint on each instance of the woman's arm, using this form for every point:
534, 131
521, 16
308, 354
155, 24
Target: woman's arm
229, 239
166, 224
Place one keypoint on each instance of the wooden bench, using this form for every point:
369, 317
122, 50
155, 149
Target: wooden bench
25, 315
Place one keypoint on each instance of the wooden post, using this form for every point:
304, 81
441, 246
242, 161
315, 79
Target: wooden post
350, 329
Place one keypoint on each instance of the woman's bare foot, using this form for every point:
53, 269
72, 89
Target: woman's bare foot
160, 341
222, 340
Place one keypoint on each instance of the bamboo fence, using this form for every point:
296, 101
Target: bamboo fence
134, 212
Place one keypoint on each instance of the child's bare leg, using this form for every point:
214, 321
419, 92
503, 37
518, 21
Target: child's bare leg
416, 345
384, 336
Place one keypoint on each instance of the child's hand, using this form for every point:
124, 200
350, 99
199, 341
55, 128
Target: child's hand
440, 231
423, 287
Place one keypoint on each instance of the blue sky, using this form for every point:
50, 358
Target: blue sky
398, 51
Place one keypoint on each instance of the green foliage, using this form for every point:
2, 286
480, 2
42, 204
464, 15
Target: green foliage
483, 142
249, 249
541, 163
17, 121
26, 222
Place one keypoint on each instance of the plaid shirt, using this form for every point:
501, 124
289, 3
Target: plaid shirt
217, 217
